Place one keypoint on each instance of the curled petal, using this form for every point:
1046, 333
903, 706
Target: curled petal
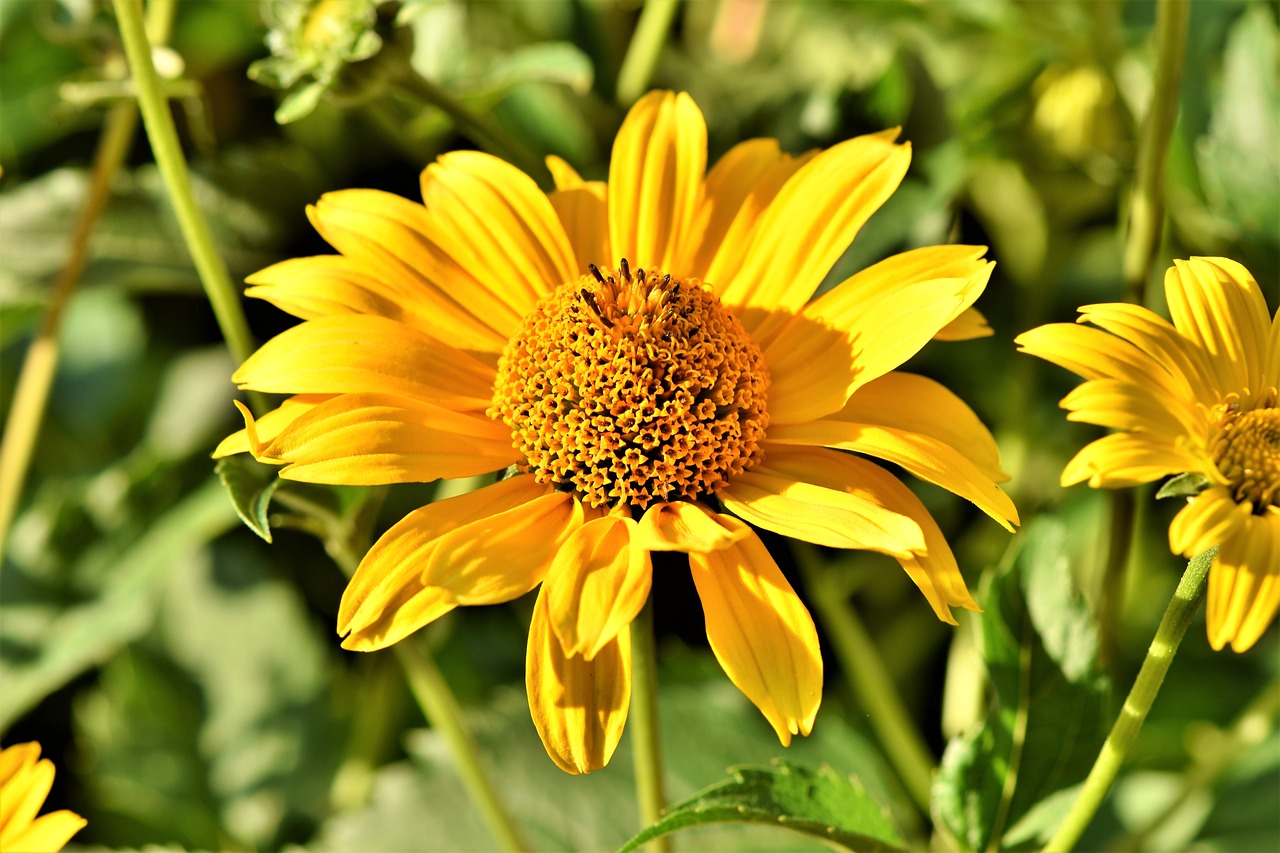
688, 527
761, 633
262, 431
1210, 518
1244, 583
1128, 459
579, 706
597, 584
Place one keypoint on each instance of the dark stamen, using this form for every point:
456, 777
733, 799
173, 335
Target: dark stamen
626, 269
595, 271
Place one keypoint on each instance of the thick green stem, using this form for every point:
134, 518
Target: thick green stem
1146, 203
643, 725
433, 695
873, 686
1123, 505
1178, 615
482, 129
223, 297
645, 48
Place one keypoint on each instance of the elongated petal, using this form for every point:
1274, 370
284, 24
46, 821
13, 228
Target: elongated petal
46, 833
1138, 408
584, 214
389, 237
25, 793
597, 584
387, 599
269, 425
1244, 583
1210, 518
868, 326
969, 325
579, 706
355, 353
332, 284
1216, 304
688, 527
1095, 354
1157, 338
761, 633
655, 177
1128, 459
496, 225
738, 190
503, 556
819, 496
922, 455
808, 225
12, 759
375, 439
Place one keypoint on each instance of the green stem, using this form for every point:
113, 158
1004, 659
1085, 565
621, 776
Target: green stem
873, 686
482, 129
31, 395
1146, 205
223, 297
433, 695
645, 48
1123, 505
644, 725
1178, 615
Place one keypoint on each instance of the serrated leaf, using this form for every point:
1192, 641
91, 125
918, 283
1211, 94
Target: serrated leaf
250, 485
822, 803
1183, 486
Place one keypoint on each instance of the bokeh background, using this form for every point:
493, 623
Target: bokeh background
185, 676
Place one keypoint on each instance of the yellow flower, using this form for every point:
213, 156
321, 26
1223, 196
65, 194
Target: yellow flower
1198, 397
643, 352
24, 783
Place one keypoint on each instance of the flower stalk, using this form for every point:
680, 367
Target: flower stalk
645, 48
645, 736
1177, 617
222, 295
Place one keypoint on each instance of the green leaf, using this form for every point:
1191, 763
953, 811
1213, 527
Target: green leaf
1050, 713
250, 485
822, 803
1183, 485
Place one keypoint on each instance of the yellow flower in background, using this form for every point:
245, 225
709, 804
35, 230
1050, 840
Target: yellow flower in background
1196, 396
25, 781
644, 355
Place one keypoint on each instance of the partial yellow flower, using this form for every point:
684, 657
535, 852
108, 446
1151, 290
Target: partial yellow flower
645, 353
25, 781
1197, 396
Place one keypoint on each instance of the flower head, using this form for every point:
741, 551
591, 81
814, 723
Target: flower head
644, 355
25, 781
1197, 396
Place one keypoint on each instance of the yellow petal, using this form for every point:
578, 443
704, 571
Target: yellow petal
269, 425
1155, 336
579, 706
565, 176
376, 439
655, 177
328, 284
24, 793
808, 225
502, 556
969, 325
1217, 305
688, 527
12, 759
1244, 583
738, 190
584, 215
1127, 459
924, 456
868, 326
1210, 518
597, 584
819, 496
47, 834
761, 633
387, 599
355, 353
390, 237
1138, 408
1095, 354
493, 222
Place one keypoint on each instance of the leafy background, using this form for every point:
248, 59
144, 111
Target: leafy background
184, 675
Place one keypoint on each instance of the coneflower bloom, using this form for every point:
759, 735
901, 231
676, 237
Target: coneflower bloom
25, 780
1197, 396
644, 359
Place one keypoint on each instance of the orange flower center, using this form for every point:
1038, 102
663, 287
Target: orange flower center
631, 387
1247, 452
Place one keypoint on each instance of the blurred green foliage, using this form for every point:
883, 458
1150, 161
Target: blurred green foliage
184, 675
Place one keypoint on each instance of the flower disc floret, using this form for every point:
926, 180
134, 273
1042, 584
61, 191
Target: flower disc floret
1247, 453
633, 387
